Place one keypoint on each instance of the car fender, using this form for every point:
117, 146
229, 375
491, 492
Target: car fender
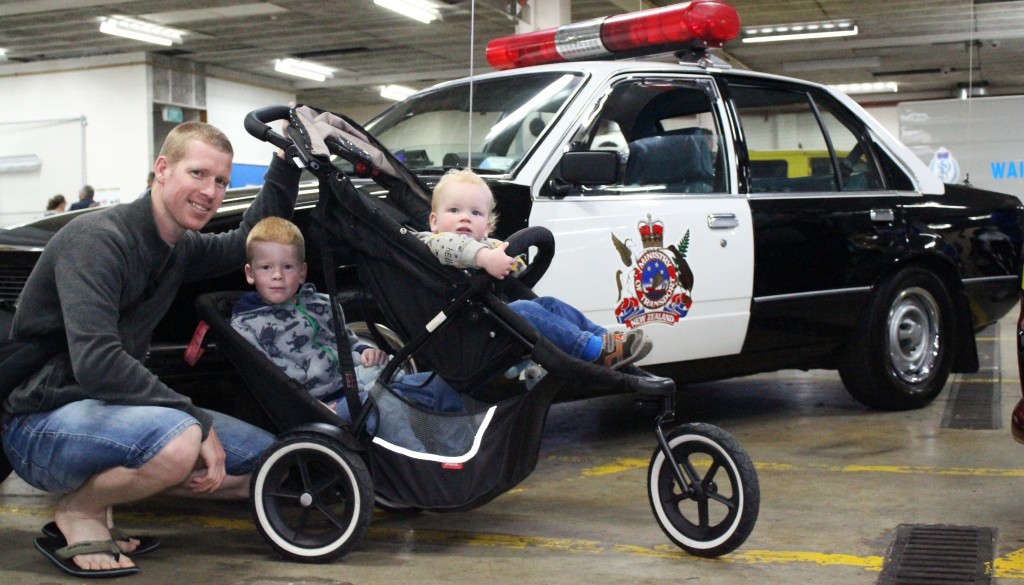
933, 252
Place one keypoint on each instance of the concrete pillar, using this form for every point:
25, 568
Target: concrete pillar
543, 14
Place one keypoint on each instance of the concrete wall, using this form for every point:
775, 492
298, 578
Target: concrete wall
106, 147
981, 139
90, 121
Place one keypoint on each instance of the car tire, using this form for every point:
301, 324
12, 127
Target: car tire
900, 356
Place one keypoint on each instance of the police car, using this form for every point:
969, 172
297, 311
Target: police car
746, 222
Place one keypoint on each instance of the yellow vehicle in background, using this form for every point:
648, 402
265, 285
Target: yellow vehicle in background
792, 164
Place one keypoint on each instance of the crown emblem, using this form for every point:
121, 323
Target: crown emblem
651, 232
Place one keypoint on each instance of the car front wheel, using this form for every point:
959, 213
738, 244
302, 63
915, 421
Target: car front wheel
900, 357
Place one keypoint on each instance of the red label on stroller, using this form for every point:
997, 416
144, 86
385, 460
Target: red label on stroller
451, 466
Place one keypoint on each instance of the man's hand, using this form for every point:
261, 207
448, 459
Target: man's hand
284, 131
211, 455
495, 261
372, 356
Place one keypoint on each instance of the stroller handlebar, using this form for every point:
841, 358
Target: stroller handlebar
256, 124
533, 236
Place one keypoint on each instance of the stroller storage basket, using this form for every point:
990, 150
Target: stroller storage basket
455, 461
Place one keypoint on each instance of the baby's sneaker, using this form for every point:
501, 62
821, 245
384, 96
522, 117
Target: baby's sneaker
622, 348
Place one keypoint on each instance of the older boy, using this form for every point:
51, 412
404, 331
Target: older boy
290, 322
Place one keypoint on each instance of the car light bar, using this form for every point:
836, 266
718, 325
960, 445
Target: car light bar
699, 23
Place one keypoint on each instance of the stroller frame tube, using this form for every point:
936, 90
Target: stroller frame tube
667, 415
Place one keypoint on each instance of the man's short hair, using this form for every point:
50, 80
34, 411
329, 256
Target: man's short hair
279, 231
177, 140
88, 191
464, 177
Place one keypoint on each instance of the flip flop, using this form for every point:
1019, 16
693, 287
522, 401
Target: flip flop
61, 554
146, 543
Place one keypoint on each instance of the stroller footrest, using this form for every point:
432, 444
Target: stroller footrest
653, 386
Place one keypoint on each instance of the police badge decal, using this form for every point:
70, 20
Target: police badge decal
656, 285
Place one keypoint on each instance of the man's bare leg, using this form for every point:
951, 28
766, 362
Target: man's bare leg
83, 514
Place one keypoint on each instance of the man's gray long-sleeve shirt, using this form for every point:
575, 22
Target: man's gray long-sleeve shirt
106, 279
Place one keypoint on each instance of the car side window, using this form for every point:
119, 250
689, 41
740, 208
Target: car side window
798, 144
666, 134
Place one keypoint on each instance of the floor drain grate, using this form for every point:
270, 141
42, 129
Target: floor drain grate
939, 555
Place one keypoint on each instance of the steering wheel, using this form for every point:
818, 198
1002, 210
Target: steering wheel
534, 236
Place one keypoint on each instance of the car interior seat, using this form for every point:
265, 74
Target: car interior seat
681, 162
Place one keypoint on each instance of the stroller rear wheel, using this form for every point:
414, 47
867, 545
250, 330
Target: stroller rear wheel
312, 498
715, 511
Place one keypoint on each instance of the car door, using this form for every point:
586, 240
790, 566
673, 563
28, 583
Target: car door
667, 247
827, 220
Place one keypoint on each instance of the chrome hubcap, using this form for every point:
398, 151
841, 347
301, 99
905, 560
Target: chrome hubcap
913, 335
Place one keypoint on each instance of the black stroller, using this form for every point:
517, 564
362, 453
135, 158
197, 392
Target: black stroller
314, 490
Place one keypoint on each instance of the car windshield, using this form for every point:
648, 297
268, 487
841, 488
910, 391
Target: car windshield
434, 131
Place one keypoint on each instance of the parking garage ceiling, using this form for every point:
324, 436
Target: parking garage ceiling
931, 48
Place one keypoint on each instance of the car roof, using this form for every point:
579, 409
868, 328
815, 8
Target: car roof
927, 182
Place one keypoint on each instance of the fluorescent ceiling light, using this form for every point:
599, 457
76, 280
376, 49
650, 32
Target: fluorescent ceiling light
414, 9
20, 163
304, 69
174, 17
830, 64
396, 92
871, 87
140, 31
800, 31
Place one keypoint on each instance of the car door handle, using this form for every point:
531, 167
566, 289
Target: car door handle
722, 221
882, 215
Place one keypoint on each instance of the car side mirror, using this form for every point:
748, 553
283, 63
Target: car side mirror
589, 167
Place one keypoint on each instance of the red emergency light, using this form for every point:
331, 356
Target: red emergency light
699, 23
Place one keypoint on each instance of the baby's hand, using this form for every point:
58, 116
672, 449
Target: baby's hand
372, 356
495, 261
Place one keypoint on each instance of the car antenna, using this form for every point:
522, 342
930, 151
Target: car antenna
472, 39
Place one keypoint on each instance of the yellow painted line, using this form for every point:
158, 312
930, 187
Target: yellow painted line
975, 380
1010, 566
628, 464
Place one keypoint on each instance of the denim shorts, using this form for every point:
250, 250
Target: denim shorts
59, 450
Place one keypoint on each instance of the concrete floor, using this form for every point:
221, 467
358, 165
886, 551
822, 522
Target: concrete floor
836, 480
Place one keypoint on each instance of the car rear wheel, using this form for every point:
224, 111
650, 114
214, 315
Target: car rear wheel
900, 357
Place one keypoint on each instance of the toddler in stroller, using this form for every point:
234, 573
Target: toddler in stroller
313, 491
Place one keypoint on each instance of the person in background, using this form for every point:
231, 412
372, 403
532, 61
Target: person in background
149, 184
55, 205
85, 198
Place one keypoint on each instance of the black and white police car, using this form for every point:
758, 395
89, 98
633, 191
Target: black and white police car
746, 222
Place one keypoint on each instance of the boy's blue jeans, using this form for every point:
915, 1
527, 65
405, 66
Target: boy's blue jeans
559, 322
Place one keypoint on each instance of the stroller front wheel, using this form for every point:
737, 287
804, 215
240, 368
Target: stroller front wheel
312, 498
715, 511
